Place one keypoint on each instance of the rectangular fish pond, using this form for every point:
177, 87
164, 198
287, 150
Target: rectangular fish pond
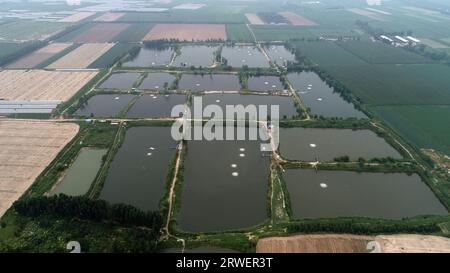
104, 105
238, 56
150, 57
329, 194
155, 106
198, 56
137, 175
120, 81
209, 82
311, 144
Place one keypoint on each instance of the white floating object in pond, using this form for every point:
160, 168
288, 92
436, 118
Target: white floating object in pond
312, 145
323, 185
234, 166
274, 86
197, 84
167, 96
152, 148
153, 63
242, 149
319, 99
149, 154
309, 85
217, 100
155, 97
157, 86
235, 174
309, 88
263, 148
266, 83
116, 98
242, 155
243, 61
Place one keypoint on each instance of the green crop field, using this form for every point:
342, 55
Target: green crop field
380, 53
396, 84
29, 30
280, 33
239, 33
199, 16
134, 33
326, 53
424, 125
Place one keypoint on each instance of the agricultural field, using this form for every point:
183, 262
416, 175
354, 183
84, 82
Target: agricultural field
109, 17
35, 58
381, 53
77, 17
112, 56
254, 19
296, 19
423, 125
41, 84
20, 31
239, 33
187, 32
28, 147
82, 56
396, 84
100, 33
12, 51
280, 33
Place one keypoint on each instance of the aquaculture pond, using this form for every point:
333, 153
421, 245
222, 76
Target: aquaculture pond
195, 56
157, 81
310, 144
280, 55
155, 106
209, 82
148, 57
320, 97
225, 186
120, 81
104, 105
81, 173
286, 105
328, 194
238, 56
265, 84
137, 175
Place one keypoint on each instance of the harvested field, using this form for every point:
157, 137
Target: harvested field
109, 17
41, 84
187, 32
342, 243
333, 243
77, 17
413, 244
82, 56
296, 19
254, 19
27, 148
100, 33
33, 59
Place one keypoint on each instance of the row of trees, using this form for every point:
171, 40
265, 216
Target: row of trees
87, 209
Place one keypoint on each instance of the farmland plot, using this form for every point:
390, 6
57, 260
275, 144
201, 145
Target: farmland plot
41, 84
77, 17
100, 33
27, 148
296, 19
254, 19
21, 31
109, 17
33, 59
82, 57
187, 32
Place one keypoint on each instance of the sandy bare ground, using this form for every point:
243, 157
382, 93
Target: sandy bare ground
42, 84
82, 56
76, 17
333, 243
254, 19
187, 32
26, 149
33, 59
100, 33
296, 19
109, 17
344, 243
413, 244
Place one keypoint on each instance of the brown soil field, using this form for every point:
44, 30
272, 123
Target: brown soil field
26, 148
254, 19
42, 84
296, 19
76, 17
100, 33
82, 56
345, 243
187, 32
332, 243
33, 59
413, 244
109, 17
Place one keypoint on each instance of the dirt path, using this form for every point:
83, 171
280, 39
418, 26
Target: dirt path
251, 31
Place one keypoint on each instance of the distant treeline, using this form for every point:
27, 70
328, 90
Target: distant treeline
88, 209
